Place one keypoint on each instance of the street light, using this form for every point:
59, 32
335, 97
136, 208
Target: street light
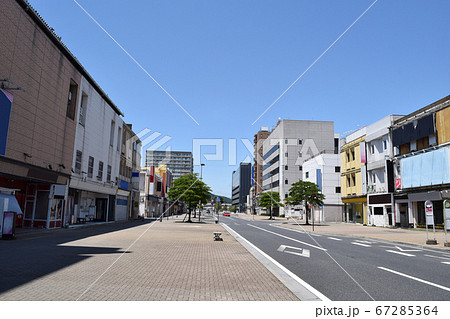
201, 170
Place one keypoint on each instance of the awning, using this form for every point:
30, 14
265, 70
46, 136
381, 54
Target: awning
421, 197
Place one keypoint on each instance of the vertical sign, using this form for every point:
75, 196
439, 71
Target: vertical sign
429, 218
447, 214
5, 113
362, 151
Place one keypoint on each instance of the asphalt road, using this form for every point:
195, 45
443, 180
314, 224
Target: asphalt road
344, 268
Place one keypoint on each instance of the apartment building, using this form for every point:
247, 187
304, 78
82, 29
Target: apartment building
180, 163
380, 173
258, 141
287, 147
354, 177
421, 142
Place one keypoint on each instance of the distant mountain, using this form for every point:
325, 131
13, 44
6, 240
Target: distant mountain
223, 199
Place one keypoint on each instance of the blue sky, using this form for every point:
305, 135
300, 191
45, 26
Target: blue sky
225, 62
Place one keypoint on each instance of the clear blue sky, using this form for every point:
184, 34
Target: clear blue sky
225, 62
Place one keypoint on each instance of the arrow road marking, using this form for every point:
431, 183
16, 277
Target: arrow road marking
303, 252
293, 239
361, 244
400, 253
415, 278
401, 249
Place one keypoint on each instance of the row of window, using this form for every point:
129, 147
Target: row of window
90, 171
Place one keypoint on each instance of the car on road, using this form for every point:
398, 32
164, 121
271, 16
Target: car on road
226, 214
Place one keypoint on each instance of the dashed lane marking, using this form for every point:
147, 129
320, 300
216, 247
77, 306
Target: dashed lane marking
361, 244
334, 238
400, 253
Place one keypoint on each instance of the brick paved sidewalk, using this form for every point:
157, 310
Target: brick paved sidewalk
170, 261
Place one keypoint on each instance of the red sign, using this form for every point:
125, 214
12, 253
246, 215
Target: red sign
398, 183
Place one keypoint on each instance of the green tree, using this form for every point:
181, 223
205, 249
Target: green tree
307, 193
268, 200
190, 190
232, 209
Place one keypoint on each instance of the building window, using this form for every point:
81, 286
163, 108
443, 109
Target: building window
353, 180
353, 155
348, 156
286, 154
378, 210
119, 137
338, 190
385, 145
307, 174
286, 181
300, 168
78, 162
300, 142
285, 141
111, 135
348, 182
91, 167
372, 149
72, 100
337, 169
100, 171
83, 107
108, 174
286, 167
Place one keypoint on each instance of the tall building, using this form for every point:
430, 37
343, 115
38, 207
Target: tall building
258, 141
241, 182
180, 163
287, 147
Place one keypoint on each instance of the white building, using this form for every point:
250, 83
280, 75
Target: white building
95, 169
325, 171
380, 172
287, 147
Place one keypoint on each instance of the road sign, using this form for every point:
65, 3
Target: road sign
429, 213
217, 199
447, 214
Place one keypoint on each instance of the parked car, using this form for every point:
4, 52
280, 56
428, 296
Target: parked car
226, 214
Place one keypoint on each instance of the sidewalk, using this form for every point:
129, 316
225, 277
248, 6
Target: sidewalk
415, 237
168, 260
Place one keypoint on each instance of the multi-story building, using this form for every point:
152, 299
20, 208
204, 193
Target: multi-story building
95, 166
38, 123
241, 183
354, 177
180, 163
324, 170
154, 184
380, 178
421, 143
286, 148
258, 141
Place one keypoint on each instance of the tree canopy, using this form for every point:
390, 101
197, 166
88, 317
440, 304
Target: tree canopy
269, 200
190, 190
307, 193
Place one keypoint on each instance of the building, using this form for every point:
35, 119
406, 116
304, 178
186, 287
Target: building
354, 177
324, 170
421, 142
95, 166
380, 178
240, 189
178, 162
287, 147
154, 184
38, 123
258, 141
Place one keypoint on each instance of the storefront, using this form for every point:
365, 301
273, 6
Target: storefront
355, 210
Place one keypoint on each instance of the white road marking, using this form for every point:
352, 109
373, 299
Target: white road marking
316, 235
437, 257
333, 238
293, 239
445, 262
360, 244
400, 253
303, 252
364, 241
401, 249
311, 289
415, 278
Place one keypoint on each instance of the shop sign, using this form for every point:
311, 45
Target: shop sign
447, 214
429, 213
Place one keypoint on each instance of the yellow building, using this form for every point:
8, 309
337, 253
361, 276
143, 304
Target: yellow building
353, 177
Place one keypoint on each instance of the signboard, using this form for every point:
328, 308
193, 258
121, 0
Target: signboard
5, 113
429, 213
398, 183
447, 214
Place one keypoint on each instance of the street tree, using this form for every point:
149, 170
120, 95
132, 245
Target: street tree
270, 200
307, 193
191, 190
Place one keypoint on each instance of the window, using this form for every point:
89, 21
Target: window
72, 100
286, 167
111, 136
337, 169
286, 181
378, 210
300, 142
307, 174
108, 174
285, 141
286, 154
338, 190
385, 145
100, 171
348, 182
353, 180
78, 162
348, 156
119, 137
91, 167
372, 149
83, 106
300, 168
374, 178
353, 155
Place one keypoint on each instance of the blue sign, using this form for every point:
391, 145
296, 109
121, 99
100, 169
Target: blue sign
218, 199
5, 113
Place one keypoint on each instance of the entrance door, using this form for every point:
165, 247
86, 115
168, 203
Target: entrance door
101, 204
389, 214
404, 215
